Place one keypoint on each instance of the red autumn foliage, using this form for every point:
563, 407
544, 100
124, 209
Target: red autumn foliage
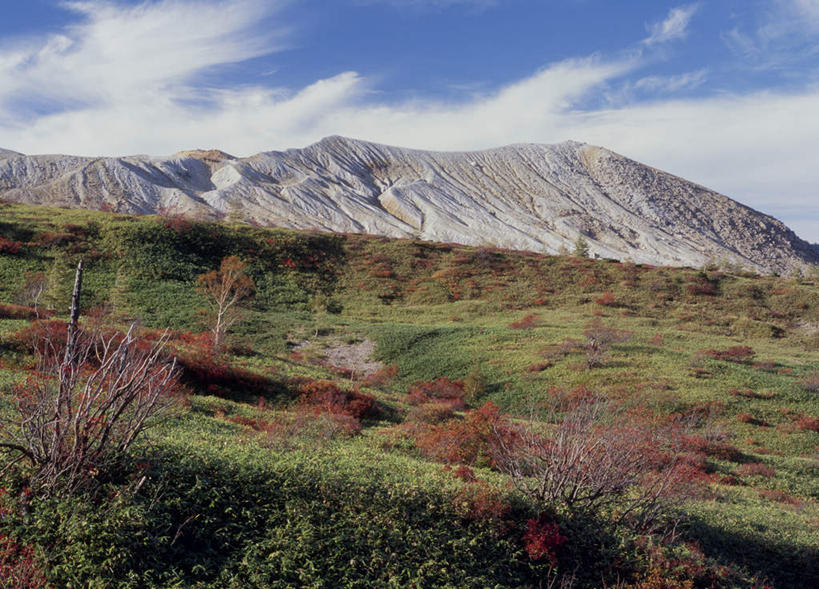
177, 223
778, 496
324, 396
213, 375
756, 469
20, 312
18, 568
481, 502
430, 413
738, 354
607, 299
381, 377
8, 246
702, 287
749, 394
750, 419
538, 366
657, 340
54, 238
471, 440
38, 333
806, 423
465, 474
711, 448
440, 389
528, 322
542, 539
811, 382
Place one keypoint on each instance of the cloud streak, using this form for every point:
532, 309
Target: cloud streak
674, 27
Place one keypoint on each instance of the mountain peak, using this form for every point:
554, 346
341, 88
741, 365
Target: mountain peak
523, 196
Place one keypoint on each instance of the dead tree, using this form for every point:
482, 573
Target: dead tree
34, 286
88, 399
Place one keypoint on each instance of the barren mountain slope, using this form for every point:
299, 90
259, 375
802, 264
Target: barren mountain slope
533, 197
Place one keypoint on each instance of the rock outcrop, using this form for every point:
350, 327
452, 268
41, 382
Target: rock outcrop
529, 197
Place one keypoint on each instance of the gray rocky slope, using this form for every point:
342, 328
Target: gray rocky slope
528, 197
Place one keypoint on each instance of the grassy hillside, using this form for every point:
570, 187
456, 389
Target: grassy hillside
254, 483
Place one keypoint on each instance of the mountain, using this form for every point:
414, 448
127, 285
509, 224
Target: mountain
526, 196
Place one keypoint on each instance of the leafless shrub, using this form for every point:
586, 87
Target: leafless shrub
625, 468
74, 418
85, 403
599, 341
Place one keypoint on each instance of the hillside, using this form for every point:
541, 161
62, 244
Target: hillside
344, 436
525, 197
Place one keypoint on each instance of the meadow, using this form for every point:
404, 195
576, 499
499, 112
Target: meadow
294, 461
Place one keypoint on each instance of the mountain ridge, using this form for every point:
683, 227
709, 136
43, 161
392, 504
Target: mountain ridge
523, 196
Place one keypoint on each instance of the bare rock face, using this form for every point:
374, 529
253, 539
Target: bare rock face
528, 197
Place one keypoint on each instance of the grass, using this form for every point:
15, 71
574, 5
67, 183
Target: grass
223, 506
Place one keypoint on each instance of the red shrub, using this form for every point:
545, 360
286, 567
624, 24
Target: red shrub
442, 389
481, 502
607, 299
214, 375
738, 354
778, 496
470, 440
18, 569
811, 382
749, 394
657, 340
756, 469
381, 377
21, 312
324, 396
538, 366
430, 413
7, 246
702, 287
748, 418
529, 322
53, 238
465, 474
542, 539
712, 448
806, 423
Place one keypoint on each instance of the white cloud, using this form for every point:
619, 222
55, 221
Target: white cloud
808, 10
479, 4
671, 84
118, 54
675, 25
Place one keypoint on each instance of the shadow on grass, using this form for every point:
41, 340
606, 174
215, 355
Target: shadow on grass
782, 564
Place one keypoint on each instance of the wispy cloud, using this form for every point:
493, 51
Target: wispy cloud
674, 27
434, 4
118, 54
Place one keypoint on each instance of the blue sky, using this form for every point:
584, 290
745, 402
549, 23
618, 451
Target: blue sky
722, 92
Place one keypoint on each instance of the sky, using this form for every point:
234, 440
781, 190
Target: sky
721, 92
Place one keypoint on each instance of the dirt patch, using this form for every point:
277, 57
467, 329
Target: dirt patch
355, 358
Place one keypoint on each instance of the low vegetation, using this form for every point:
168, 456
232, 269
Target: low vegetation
533, 421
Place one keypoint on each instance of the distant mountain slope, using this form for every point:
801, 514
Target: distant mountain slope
532, 197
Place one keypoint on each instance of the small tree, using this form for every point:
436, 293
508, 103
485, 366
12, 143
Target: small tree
88, 399
34, 284
224, 289
581, 247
